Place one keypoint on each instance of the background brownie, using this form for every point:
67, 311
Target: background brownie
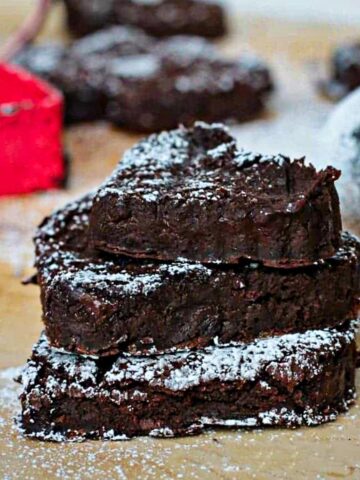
345, 71
42, 60
96, 305
161, 18
301, 379
186, 81
79, 71
136, 81
191, 193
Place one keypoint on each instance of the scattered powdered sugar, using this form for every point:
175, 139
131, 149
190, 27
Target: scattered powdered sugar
182, 268
182, 162
289, 357
135, 66
184, 370
56, 222
158, 151
59, 264
148, 2
44, 58
109, 39
162, 432
123, 283
111, 435
185, 49
82, 371
64, 268
276, 417
186, 458
222, 150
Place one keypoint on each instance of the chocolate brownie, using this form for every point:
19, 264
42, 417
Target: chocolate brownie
298, 379
42, 60
192, 194
186, 81
79, 71
345, 71
123, 75
96, 305
159, 18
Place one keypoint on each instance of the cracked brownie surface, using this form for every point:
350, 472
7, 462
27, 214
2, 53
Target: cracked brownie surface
293, 380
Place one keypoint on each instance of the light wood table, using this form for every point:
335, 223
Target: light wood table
328, 452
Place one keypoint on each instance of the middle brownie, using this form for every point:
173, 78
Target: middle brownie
96, 304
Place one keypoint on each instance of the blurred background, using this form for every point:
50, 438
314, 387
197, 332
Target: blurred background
346, 11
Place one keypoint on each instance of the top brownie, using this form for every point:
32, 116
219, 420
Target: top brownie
159, 18
192, 194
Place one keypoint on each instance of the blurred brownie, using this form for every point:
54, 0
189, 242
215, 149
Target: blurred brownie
94, 304
205, 18
345, 71
187, 80
141, 83
293, 380
84, 71
42, 60
79, 71
87, 16
192, 194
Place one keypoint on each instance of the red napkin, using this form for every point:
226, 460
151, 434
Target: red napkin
31, 117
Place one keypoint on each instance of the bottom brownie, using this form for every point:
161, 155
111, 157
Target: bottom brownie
292, 380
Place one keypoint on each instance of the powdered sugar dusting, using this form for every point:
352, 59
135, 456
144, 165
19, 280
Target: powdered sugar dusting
182, 371
198, 166
288, 360
135, 66
58, 262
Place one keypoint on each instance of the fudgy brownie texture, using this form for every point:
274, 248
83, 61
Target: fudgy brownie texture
97, 305
160, 18
123, 75
299, 379
345, 72
192, 194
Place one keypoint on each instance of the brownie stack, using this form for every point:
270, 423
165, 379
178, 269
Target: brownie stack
200, 285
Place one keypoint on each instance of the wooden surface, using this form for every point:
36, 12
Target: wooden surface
328, 452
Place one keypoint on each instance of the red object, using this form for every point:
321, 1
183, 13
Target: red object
31, 117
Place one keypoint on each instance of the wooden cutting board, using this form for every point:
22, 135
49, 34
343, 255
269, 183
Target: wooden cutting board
328, 452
